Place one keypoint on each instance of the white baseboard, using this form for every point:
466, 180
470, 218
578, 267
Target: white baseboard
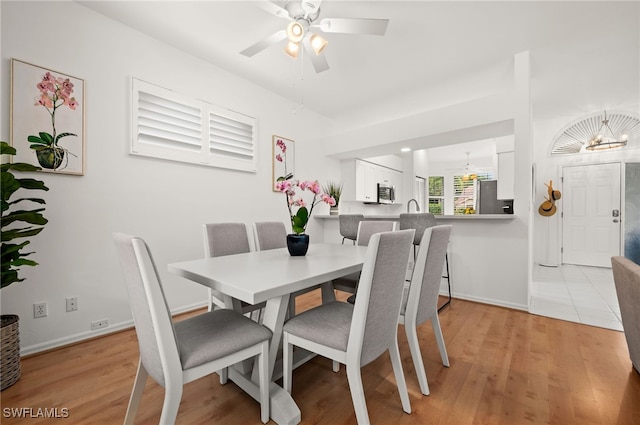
83, 336
485, 301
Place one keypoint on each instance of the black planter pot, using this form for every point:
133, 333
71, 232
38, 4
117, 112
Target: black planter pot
298, 244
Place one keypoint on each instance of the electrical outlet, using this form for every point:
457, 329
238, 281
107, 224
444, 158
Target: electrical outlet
99, 324
40, 310
72, 304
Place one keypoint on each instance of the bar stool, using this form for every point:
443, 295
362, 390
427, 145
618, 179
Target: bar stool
349, 226
421, 221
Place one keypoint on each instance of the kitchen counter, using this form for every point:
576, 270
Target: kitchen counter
438, 217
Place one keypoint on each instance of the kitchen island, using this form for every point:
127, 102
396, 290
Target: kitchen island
486, 261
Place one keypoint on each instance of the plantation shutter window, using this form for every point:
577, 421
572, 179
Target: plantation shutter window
174, 127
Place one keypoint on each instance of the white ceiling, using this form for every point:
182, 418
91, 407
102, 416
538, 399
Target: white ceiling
428, 45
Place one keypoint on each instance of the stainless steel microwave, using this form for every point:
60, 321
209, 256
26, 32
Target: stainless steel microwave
386, 193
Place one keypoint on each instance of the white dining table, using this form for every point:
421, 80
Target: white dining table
271, 276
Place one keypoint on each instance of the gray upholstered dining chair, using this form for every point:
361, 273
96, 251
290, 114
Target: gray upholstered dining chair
270, 235
177, 353
357, 334
420, 297
366, 229
227, 239
420, 222
349, 226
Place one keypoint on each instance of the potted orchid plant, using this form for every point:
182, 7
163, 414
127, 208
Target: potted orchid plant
298, 242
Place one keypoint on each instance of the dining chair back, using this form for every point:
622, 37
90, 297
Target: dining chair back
349, 226
270, 235
417, 221
366, 229
420, 222
227, 239
175, 354
356, 335
420, 297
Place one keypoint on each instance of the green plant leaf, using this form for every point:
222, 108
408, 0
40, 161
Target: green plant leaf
12, 256
7, 149
9, 277
31, 217
61, 135
38, 141
32, 184
299, 221
19, 166
48, 138
12, 234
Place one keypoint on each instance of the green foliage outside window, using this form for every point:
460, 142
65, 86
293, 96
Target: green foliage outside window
436, 195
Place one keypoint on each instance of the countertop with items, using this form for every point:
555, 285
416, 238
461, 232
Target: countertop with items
438, 217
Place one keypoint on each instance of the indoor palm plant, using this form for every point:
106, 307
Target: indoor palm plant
335, 191
16, 224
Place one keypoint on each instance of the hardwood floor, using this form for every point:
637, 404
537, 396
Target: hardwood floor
507, 367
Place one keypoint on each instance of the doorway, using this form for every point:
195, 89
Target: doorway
591, 214
420, 192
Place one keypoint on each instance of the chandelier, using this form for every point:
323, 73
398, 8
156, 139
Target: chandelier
605, 138
597, 132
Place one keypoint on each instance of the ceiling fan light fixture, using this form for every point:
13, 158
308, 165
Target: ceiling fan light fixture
605, 138
292, 49
318, 43
295, 31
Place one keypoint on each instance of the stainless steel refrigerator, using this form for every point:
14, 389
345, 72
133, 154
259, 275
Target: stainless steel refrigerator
488, 202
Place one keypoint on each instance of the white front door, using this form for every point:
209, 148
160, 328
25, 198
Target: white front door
590, 214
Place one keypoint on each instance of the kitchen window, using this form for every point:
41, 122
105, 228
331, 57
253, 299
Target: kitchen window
465, 190
436, 195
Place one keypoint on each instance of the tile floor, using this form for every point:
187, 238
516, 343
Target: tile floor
577, 294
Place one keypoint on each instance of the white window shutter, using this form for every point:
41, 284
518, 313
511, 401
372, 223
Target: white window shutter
170, 126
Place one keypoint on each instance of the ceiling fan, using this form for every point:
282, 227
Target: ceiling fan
469, 171
302, 31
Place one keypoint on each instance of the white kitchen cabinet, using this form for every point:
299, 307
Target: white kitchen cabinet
360, 179
506, 173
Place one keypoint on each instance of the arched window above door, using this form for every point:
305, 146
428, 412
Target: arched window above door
577, 135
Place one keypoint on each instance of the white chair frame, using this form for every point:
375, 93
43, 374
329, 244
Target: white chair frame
409, 318
352, 356
174, 375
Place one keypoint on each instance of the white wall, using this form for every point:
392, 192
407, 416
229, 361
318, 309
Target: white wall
164, 202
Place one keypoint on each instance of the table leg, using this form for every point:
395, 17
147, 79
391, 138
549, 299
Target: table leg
284, 410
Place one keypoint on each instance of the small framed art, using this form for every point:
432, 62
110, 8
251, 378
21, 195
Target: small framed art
283, 159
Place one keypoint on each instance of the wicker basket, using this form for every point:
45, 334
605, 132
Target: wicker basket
9, 351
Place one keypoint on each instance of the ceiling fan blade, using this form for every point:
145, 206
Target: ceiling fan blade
353, 25
264, 43
274, 9
319, 62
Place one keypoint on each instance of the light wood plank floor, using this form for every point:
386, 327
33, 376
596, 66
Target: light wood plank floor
507, 367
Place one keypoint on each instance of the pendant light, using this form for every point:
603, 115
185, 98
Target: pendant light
605, 138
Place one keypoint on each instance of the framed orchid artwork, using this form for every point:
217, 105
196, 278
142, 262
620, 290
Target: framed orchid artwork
47, 118
283, 157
